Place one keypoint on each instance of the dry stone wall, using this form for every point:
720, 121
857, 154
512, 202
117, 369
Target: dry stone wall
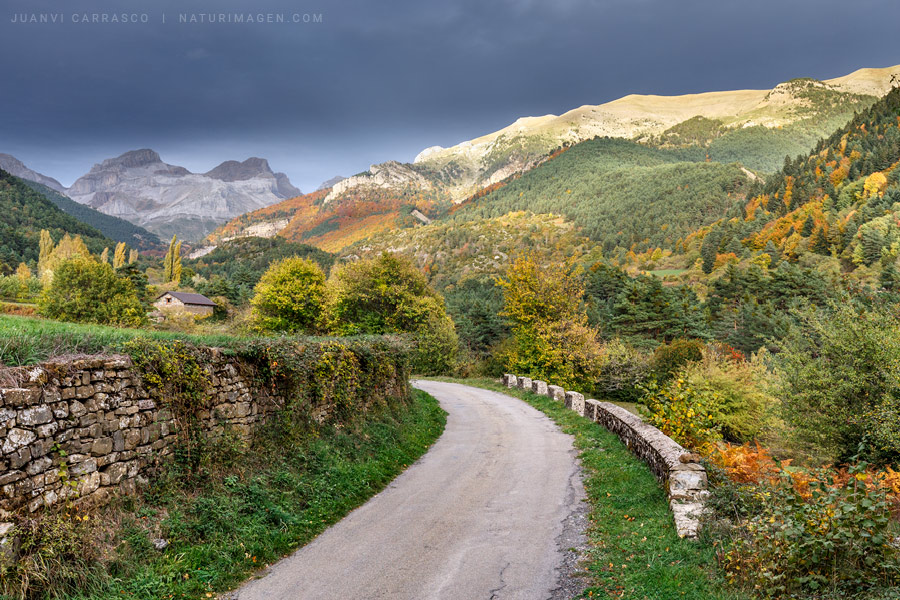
679, 470
86, 428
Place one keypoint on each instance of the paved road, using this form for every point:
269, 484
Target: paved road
486, 514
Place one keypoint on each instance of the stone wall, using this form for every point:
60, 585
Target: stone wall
682, 475
88, 427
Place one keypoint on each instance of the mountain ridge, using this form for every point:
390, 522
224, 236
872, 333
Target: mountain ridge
756, 128
169, 199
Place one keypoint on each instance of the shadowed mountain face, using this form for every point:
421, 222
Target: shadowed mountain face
167, 199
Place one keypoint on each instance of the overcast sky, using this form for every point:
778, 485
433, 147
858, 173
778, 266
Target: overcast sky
379, 80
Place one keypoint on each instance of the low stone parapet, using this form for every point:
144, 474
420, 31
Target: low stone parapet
680, 472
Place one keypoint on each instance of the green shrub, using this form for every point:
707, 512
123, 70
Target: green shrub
290, 297
623, 372
551, 336
83, 290
387, 294
840, 381
56, 556
668, 359
683, 413
737, 394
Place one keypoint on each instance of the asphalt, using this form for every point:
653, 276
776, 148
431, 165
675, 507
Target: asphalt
494, 510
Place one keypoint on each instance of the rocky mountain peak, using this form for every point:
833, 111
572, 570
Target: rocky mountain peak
132, 159
232, 170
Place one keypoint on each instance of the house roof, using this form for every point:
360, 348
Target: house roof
195, 299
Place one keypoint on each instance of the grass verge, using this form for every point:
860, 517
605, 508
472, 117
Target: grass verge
634, 552
255, 506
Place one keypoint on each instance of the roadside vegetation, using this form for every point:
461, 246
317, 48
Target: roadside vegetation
246, 508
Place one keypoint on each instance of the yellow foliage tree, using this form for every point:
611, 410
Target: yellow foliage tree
551, 336
119, 256
875, 185
46, 248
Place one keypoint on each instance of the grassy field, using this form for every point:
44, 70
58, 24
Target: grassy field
634, 552
28, 340
253, 507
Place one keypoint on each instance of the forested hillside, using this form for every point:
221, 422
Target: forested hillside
114, 228
623, 195
451, 251
25, 213
836, 208
234, 268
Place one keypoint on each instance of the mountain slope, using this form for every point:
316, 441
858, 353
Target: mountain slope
114, 228
621, 194
25, 213
167, 199
492, 157
755, 128
14, 166
837, 208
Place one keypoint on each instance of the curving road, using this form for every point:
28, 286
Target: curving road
488, 513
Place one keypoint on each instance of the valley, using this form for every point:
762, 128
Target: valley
725, 265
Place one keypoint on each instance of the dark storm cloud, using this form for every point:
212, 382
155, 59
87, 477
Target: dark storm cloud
380, 80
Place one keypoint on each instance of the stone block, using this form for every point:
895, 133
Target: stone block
60, 410
46, 431
113, 474
83, 392
555, 392
510, 380
687, 518
36, 415
7, 415
17, 438
38, 466
591, 407
77, 409
83, 468
575, 402
524, 383
539, 387
19, 458
89, 484
102, 446
684, 484
146, 404
20, 397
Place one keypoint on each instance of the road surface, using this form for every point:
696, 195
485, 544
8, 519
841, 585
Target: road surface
488, 513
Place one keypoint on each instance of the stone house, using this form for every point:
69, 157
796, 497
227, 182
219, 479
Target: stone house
197, 304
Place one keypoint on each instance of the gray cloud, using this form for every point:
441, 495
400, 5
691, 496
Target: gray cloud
378, 80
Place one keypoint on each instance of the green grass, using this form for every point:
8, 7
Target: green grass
665, 272
275, 498
29, 340
634, 553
